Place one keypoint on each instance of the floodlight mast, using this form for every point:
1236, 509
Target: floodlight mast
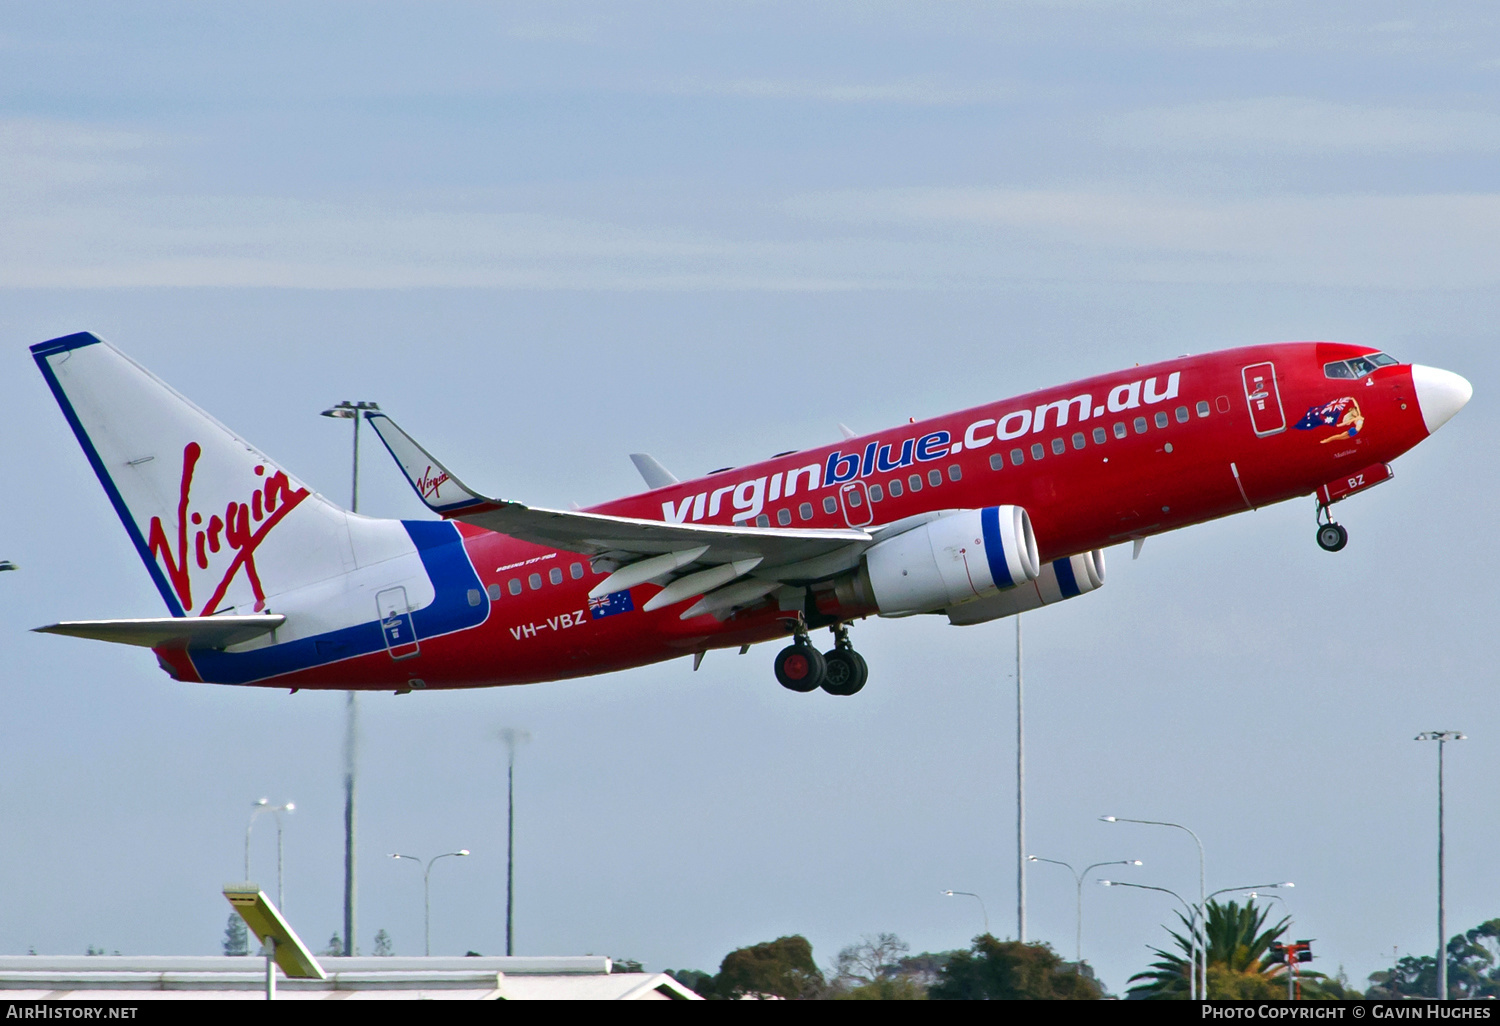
355, 411
1442, 737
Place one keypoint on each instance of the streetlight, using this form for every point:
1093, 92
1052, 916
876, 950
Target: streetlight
264, 805
1442, 737
1202, 899
1078, 880
350, 411
427, 893
982, 910
512, 738
1192, 929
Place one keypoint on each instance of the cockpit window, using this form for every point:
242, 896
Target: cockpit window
1358, 367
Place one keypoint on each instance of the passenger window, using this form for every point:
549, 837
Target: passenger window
830, 504
1017, 457
535, 580
514, 586
576, 571
997, 461
1203, 407
805, 511
1140, 425
1182, 415
854, 498
1078, 440
915, 482
762, 521
493, 591
876, 493
555, 575
934, 477
895, 486
1120, 429
783, 516
473, 596
1036, 451
1161, 418
1099, 436
955, 472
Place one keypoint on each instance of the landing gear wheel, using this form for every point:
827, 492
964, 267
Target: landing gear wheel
1332, 537
800, 667
847, 671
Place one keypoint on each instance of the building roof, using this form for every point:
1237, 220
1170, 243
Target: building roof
138, 977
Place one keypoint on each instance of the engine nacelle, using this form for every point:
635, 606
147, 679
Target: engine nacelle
1059, 579
961, 555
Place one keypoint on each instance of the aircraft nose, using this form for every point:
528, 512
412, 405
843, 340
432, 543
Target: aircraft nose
1440, 394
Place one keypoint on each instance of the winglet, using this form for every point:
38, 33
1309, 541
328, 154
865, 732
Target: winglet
434, 483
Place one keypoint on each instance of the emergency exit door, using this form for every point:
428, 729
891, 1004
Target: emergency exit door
1264, 399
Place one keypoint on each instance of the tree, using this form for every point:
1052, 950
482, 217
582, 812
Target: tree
871, 960
335, 947
782, 968
1010, 970
383, 946
1472, 969
236, 937
1238, 967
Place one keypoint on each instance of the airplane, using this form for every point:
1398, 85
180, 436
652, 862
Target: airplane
975, 515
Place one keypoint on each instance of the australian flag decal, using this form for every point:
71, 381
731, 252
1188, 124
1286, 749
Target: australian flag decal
1326, 415
609, 605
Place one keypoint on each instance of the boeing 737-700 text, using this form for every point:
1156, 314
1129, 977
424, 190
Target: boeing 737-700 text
974, 515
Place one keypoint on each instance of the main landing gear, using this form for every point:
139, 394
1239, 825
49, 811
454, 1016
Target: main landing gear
1331, 536
839, 671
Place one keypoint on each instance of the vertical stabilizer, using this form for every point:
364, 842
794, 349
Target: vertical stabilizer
220, 526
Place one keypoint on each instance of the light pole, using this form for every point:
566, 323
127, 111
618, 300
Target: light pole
1192, 929
1202, 898
350, 411
1078, 881
427, 893
512, 738
264, 805
982, 911
1020, 797
1442, 737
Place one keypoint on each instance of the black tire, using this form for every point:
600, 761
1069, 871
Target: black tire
1332, 537
800, 668
846, 671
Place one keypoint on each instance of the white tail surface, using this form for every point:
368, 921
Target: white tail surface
220, 526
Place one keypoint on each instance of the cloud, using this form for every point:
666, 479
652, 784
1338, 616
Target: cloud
39, 154
1413, 241
910, 92
1287, 124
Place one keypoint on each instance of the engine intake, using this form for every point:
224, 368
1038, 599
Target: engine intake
959, 556
1059, 579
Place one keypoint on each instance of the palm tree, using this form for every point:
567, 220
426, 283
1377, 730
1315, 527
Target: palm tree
1238, 941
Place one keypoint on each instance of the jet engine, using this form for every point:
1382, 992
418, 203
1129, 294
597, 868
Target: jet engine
962, 555
1059, 579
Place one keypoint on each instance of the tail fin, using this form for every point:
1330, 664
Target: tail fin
219, 526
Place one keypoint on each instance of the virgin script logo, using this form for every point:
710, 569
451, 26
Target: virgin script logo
241, 529
428, 485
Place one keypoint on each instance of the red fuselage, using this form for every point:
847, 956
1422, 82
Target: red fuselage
1096, 462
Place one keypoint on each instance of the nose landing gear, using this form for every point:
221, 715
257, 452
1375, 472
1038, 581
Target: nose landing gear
1331, 536
839, 671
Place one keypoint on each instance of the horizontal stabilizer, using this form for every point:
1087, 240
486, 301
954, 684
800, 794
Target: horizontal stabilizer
186, 631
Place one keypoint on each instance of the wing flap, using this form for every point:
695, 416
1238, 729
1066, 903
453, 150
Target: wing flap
156, 631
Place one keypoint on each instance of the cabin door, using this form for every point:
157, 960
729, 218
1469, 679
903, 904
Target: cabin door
1264, 399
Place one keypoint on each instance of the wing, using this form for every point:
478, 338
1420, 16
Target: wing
187, 631
727, 566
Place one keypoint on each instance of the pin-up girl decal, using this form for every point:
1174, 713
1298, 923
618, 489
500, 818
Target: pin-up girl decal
1343, 414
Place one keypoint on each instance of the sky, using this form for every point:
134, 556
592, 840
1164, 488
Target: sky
544, 236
